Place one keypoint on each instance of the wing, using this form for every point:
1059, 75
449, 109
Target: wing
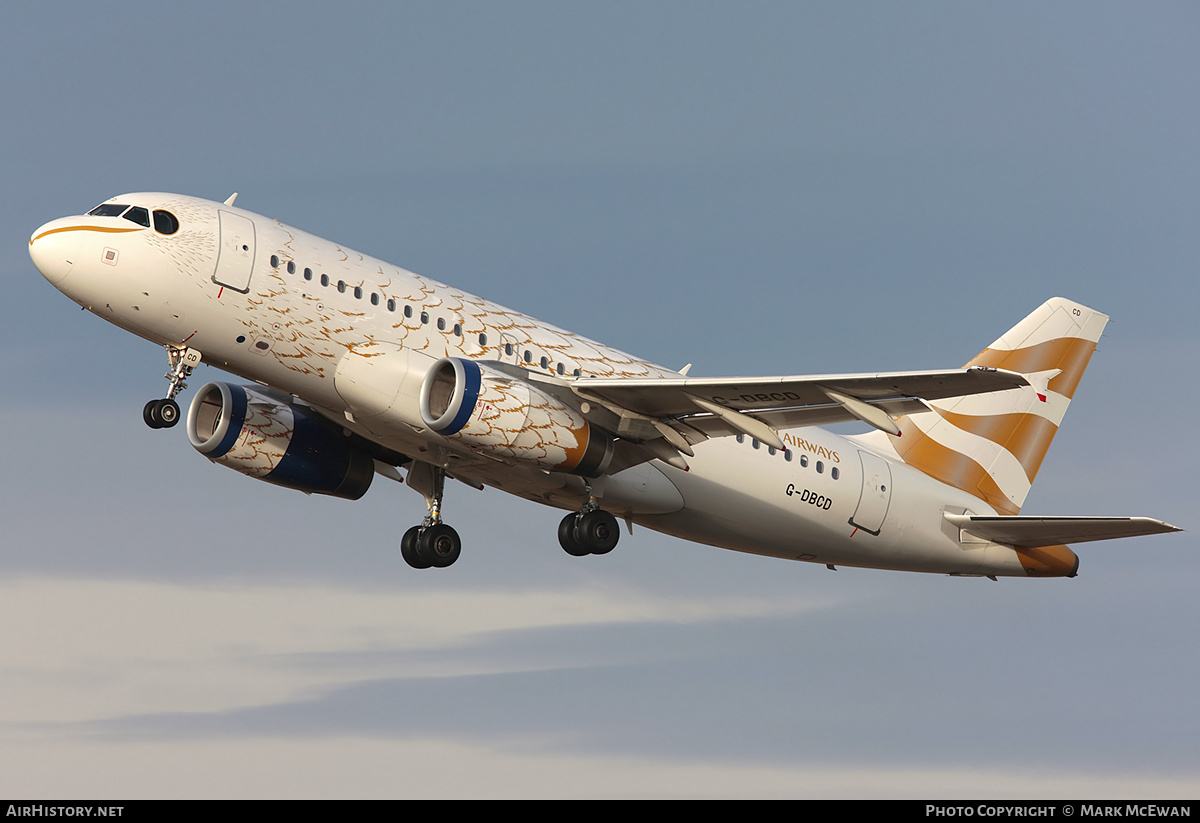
686, 410
1032, 532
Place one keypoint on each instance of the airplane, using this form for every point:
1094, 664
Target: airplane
361, 368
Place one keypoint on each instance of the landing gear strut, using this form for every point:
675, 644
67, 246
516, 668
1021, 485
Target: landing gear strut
433, 543
163, 414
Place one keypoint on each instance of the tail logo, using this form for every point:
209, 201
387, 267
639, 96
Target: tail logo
992, 445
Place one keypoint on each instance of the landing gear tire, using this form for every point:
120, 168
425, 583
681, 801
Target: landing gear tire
593, 532
440, 545
410, 549
150, 415
597, 531
161, 414
566, 536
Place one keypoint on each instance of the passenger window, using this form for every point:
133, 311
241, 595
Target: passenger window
374, 299
457, 330
358, 292
441, 324
391, 304
508, 349
528, 356
559, 368
834, 473
342, 286
407, 311
324, 279
424, 318
274, 261
138, 215
482, 339
308, 274
820, 467
804, 461
576, 372
165, 222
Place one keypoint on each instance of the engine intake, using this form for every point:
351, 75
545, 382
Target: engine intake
506, 417
261, 436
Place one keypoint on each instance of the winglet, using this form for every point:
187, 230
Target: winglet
232, 197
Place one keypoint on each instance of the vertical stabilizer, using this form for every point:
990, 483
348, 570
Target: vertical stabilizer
992, 445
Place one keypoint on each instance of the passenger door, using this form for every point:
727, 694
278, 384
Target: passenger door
876, 493
235, 256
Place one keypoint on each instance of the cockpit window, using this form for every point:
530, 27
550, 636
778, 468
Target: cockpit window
138, 215
165, 222
108, 210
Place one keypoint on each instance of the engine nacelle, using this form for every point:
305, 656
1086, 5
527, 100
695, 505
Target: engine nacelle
493, 413
253, 433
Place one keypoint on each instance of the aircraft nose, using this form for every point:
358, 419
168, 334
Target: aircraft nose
54, 248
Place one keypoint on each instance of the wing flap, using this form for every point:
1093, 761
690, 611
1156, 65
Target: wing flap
1035, 532
673, 397
781, 419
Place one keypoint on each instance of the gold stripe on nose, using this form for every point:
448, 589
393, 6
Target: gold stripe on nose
108, 229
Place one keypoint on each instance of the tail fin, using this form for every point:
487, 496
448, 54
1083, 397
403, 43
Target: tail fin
992, 445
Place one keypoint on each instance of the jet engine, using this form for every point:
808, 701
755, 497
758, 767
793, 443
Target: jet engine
493, 413
257, 434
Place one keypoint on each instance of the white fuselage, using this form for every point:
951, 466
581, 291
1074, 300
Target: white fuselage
286, 308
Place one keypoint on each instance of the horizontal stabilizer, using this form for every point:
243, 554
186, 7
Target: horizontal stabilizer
1033, 532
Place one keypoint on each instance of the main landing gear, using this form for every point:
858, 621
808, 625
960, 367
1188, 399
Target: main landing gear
163, 414
433, 543
591, 531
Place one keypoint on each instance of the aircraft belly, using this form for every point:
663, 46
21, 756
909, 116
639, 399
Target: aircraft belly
741, 498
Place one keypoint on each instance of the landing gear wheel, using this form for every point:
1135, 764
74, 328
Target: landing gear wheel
410, 549
161, 414
593, 532
566, 536
150, 414
440, 544
597, 532
168, 413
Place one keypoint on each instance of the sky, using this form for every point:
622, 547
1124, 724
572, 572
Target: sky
755, 188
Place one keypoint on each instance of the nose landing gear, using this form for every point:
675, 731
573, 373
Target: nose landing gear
163, 414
